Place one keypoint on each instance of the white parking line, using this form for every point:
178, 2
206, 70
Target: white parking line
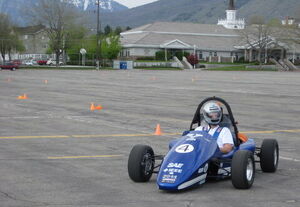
288, 158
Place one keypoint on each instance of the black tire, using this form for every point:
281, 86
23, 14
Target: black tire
243, 169
13, 69
141, 163
269, 155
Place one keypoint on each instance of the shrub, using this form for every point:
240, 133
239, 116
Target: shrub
145, 58
241, 60
160, 55
193, 59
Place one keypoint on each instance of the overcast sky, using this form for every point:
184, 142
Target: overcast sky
134, 3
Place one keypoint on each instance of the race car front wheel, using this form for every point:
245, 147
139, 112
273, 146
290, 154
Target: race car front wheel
242, 169
269, 155
141, 163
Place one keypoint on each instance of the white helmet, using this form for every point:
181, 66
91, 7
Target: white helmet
212, 113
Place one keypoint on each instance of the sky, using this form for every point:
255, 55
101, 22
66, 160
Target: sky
134, 3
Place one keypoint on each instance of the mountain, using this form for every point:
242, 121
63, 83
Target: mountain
17, 9
199, 11
105, 5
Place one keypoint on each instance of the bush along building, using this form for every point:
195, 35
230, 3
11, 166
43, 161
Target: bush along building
222, 42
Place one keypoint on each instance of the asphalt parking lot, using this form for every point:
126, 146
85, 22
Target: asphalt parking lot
54, 151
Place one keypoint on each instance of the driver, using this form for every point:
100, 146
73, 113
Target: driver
212, 114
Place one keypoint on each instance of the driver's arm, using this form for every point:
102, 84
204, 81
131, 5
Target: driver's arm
226, 148
227, 141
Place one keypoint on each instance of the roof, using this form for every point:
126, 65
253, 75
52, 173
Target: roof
231, 5
183, 27
174, 34
30, 29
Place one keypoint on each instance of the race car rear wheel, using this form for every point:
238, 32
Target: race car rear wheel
269, 155
141, 163
243, 169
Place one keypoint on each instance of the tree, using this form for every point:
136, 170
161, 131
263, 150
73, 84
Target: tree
107, 30
257, 35
57, 16
75, 38
296, 28
15, 44
110, 47
118, 30
9, 39
5, 31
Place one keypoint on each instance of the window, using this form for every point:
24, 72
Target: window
215, 54
123, 53
210, 53
200, 55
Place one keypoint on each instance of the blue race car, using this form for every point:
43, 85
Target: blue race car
195, 158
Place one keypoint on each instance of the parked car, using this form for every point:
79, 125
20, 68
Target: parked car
42, 62
9, 65
53, 62
17, 62
30, 62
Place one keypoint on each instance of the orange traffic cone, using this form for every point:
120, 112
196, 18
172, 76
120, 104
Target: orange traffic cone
99, 107
92, 108
23, 97
158, 130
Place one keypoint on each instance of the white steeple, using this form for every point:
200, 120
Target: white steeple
231, 22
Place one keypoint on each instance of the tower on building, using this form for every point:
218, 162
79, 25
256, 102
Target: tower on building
231, 21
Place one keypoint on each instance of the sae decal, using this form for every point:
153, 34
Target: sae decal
184, 148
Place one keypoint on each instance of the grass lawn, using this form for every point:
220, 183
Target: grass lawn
238, 68
157, 68
63, 68
217, 63
152, 61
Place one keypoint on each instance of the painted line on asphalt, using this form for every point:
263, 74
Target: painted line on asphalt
83, 157
288, 158
134, 135
122, 135
37, 137
272, 131
86, 136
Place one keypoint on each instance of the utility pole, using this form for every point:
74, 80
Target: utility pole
194, 56
98, 52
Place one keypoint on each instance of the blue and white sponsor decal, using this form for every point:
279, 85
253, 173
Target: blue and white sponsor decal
173, 168
175, 165
192, 137
169, 179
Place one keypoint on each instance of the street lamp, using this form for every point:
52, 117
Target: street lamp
98, 35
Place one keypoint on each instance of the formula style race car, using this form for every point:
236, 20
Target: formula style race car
195, 158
